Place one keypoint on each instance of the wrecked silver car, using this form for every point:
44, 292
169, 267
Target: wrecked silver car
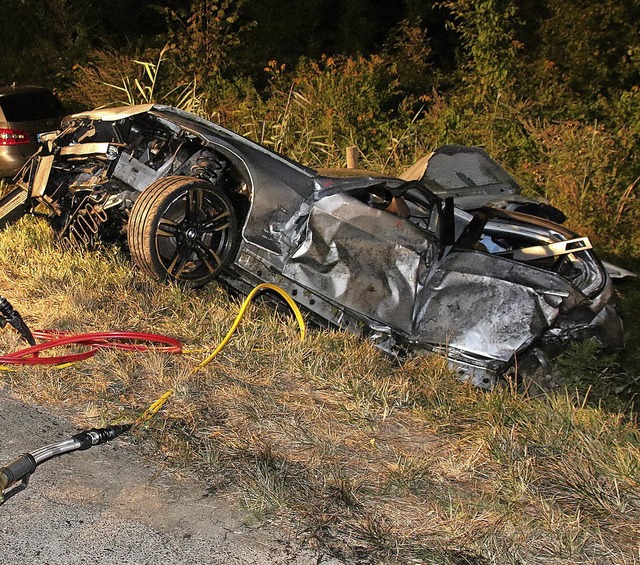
447, 258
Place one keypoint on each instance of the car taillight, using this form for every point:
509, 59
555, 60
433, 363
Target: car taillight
13, 137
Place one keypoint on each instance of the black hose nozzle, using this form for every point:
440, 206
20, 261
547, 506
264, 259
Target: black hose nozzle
9, 314
20, 469
96, 436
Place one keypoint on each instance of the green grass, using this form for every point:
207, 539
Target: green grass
370, 460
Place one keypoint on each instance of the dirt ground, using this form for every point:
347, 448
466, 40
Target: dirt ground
109, 505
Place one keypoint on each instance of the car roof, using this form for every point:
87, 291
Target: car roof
5, 90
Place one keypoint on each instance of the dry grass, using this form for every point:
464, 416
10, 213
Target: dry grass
373, 461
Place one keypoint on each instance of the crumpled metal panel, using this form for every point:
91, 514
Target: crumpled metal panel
491, 306
135, 173
604, 325
480, 314
557, 291
368, 260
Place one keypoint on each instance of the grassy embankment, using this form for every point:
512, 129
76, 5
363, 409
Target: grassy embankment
366, 458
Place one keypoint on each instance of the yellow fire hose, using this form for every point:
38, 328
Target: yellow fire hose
157, 404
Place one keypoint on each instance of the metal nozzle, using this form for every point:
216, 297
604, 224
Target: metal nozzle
4, 483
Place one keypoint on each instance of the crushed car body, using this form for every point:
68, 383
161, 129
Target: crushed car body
448, 258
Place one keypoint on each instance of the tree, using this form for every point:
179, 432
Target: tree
487, 29
591, 43
205, 36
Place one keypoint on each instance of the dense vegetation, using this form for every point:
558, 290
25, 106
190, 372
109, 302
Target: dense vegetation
375, 461
552, 89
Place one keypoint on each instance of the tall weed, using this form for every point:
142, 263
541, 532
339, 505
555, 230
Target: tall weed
321, 107
583, 171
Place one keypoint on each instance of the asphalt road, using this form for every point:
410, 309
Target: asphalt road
110, 506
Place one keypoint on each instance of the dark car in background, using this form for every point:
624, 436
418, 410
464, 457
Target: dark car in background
25, 111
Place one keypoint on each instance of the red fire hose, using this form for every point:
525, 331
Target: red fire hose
129, 341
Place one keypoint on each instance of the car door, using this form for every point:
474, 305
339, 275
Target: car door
368, 260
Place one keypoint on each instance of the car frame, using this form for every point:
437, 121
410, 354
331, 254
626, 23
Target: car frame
392, 259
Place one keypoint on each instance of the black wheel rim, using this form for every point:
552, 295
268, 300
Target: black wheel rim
195, 235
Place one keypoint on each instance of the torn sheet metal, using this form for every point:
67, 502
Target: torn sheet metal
80, 149
364, 259
41, 176
480, 314
616, 272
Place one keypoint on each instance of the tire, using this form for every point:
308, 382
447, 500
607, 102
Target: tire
183, 229
13, 206
535, 374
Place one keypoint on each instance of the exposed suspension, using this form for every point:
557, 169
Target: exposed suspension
84, 224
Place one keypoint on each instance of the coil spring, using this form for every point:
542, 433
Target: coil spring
84, 225
208, 167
